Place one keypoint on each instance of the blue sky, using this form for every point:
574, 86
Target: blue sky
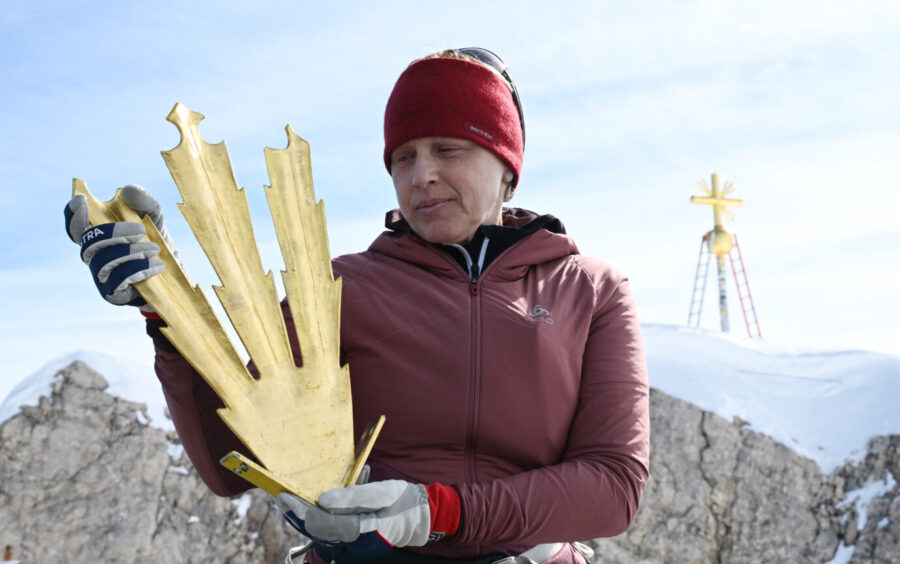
628, 106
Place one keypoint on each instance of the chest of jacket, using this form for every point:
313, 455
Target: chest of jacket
476, 382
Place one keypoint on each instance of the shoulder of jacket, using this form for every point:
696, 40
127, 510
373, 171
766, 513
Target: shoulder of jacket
352, 265
599, 271
610, 286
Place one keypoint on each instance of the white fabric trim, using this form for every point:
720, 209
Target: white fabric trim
543, 552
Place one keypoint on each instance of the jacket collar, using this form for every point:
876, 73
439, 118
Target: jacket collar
546, 241
512, 217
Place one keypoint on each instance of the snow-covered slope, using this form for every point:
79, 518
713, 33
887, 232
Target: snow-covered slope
824, 404
128, 378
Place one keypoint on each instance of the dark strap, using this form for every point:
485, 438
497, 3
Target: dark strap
341, 555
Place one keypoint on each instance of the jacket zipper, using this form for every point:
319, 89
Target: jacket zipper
475, 271
472, 436
475, 268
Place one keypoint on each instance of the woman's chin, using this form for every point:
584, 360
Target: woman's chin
436, 232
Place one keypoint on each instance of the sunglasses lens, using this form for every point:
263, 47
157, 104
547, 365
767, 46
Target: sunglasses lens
485, 56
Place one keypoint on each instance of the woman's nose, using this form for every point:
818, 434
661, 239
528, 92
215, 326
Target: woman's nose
425, 171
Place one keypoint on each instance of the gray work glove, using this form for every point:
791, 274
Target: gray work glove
113, 251
370, 518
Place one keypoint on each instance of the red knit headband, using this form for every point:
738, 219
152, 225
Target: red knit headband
442, 97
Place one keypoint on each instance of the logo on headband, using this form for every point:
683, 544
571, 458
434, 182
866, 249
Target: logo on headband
479, 131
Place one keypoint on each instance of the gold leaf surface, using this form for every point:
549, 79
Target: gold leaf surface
297, 421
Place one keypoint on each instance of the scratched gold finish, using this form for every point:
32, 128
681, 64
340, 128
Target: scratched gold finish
297, 421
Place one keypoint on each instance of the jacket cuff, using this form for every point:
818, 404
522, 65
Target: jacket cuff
446, 510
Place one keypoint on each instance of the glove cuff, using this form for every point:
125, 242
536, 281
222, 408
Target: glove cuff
445, 511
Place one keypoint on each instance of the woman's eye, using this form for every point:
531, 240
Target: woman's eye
400, 159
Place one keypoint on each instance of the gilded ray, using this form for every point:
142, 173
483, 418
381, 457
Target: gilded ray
297, 421
193, 327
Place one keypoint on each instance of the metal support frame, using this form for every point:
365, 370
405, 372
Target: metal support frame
700, 277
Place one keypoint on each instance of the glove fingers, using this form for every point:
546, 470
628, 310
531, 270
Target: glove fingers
147, 268
142, 202
288, 502
106, 260
108, 235
76, 213
366, 498
316, 523
117, 286
334, 528
126, 296
368, 518
296, 523
124, 293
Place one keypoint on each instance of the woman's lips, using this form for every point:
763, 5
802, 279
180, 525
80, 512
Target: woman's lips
431, 206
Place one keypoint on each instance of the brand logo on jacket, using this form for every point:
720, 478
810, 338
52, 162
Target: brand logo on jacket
539, 313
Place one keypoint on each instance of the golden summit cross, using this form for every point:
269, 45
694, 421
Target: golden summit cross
716, 197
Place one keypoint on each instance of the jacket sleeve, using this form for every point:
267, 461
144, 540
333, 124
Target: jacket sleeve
192, 407
595, 489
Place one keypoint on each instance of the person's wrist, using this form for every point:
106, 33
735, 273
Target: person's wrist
149, 312
445, 507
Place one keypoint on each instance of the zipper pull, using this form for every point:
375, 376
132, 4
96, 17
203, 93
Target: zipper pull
474, 288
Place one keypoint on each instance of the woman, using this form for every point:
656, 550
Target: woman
509, 366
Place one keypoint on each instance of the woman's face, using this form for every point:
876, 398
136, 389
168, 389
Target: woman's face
447, 187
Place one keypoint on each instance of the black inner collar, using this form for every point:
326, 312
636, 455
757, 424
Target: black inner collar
501, 237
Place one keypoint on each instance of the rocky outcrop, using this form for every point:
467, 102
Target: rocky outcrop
719, 492
870, 524
87, 479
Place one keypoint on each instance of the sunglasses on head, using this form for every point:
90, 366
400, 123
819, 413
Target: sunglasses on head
492, 60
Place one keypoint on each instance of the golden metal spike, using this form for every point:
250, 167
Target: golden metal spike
314, 297
298, 421
702, 187
728, 215
193, 327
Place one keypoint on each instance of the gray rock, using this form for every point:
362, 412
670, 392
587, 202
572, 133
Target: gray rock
878, 538
719, 492
86, 480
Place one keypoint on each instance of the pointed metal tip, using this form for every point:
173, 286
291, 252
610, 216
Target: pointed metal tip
182, 115
79, 186
293, 137
188, 123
